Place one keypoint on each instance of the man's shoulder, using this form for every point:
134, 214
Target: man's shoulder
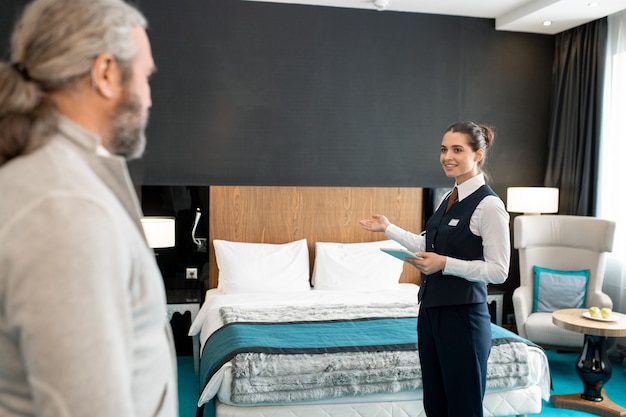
56, 168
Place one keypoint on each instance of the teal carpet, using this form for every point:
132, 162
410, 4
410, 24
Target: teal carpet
187, 387
564, 379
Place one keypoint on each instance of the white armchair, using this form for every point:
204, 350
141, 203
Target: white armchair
563, 243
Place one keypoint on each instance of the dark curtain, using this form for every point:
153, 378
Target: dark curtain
578, 77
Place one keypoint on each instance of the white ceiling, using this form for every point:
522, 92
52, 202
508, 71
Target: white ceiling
510, 15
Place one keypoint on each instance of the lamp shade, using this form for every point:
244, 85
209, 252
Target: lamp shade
532, 200
160, 231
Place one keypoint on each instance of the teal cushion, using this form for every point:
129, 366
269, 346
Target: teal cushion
556, 289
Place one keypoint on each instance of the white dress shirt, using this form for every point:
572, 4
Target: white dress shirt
490, 221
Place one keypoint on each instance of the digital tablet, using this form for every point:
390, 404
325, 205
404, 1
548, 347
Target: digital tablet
401, 254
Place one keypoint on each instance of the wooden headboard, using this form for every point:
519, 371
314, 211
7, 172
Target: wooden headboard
277, 214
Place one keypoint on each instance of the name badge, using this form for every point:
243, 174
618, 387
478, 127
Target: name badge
453, 222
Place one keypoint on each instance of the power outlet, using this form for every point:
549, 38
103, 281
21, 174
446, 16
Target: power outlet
191, 273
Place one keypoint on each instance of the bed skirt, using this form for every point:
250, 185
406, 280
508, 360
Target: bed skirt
517, 402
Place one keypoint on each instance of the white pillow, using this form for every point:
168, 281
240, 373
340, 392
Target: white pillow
262, 267
355, 266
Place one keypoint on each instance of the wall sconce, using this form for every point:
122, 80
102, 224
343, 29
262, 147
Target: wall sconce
160, 231
532, 200
199, 241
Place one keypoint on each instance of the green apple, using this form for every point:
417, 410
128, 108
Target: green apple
606, 312
594, 312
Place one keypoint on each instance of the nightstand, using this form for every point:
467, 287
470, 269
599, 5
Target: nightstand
182, 301
182, 308
496, 296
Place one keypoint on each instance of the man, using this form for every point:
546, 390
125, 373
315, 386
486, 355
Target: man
83, 326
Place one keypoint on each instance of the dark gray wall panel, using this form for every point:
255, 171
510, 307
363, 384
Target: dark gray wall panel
258, 93
274, 94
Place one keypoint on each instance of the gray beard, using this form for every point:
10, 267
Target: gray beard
129, 136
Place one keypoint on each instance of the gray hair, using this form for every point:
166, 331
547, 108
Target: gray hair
53, 45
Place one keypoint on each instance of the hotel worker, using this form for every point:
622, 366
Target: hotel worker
83, 322
465, 246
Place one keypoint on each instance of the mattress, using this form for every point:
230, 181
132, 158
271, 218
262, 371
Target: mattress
521, 400
506, 403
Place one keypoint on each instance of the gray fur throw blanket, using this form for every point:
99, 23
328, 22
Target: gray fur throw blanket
260, 378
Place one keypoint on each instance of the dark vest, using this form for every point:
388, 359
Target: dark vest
449, 234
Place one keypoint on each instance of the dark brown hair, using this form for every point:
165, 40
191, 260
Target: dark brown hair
478, 137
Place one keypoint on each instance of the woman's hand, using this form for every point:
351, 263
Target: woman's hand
429, 263
378, 223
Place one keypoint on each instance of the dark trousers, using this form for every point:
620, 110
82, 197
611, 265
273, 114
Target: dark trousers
454, 344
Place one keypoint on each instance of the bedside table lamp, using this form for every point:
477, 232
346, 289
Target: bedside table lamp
532, 200
160, 231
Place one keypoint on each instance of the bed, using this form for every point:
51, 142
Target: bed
305, 316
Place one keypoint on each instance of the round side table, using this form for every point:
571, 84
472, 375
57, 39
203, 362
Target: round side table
593, 366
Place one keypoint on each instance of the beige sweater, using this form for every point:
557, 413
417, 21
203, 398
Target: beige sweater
83, 326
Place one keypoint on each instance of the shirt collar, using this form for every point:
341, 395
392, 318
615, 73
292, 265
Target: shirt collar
102, 151
82, 136
471, 185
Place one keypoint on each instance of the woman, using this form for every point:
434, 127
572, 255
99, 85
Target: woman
463, 248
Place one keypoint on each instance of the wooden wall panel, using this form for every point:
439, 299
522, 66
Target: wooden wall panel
269, 214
